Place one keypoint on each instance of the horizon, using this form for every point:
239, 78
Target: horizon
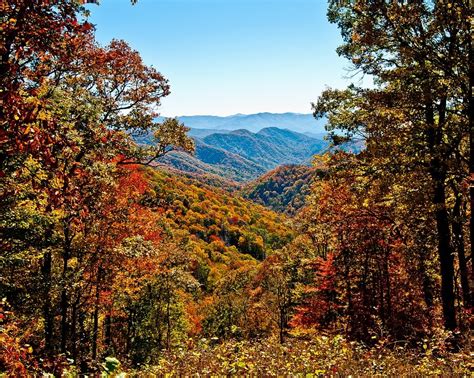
232, 115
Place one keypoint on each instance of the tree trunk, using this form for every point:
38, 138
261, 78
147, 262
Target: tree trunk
129, 331
282, 327
168, 321
347, 280
95, 329
471, 153
47, 306
108, 331
438, 175
458, 235
282, 324
64, 293
82, 344
446, 258
64, 322
388, 286
74, 330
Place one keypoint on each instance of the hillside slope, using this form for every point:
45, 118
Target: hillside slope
223, 229
241, 155
269, 147
215, 161
283, 189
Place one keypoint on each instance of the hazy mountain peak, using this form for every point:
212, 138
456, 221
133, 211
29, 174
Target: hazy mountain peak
242, 132
298, 122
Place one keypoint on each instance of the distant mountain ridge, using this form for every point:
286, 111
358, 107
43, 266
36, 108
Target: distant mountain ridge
209, 160
241, 155
269, 147
302, 123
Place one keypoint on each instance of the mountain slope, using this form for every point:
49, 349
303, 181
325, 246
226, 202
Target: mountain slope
269, 147
222, 228
214, 160
241, 155
283, 189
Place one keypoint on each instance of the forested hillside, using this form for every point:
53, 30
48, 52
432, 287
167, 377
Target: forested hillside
215, 218
354, 258
285, 188
213, 160
241, 155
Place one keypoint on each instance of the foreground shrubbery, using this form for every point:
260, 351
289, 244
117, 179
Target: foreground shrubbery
308, 356
319, 355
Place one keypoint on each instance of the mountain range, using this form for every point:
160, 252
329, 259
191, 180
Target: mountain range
302, 123
241, 155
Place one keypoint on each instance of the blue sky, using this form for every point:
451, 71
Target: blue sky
230, 56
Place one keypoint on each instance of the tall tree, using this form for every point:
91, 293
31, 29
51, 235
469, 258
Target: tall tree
70, 112
417, 53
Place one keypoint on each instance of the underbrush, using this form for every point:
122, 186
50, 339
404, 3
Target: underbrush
319, 356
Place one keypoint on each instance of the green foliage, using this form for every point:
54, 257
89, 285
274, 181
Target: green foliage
111, 367
283, 189
226, 315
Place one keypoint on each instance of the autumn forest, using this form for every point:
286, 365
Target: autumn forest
113, 263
